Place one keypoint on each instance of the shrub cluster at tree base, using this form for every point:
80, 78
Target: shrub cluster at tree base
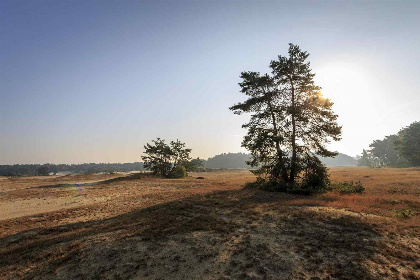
178, 171
347, 187
307, 189
297, 188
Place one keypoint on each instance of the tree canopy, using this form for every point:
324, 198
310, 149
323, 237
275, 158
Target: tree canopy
408, 144
398, 150
167, 160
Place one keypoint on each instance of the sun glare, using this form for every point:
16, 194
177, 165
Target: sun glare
340, 79
323, 95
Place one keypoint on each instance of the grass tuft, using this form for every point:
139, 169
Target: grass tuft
403, 213
348, 187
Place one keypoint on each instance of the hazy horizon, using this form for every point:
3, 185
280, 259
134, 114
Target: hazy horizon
89, 81
207, 158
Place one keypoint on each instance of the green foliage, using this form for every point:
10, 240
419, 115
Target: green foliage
178, 153
403, 213
178, 171
409, 143
194, 165
229, 160
254, 185
397, 150
162, 158
44, 170
90, 171
32, 169
365, 159
385, 150
291, 122
158, 157
348, 187
382, 152
315, 177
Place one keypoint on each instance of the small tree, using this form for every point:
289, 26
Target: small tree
164, 159
158, 157
178, 171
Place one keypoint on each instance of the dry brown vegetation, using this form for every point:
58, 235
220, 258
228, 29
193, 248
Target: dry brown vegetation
141, 227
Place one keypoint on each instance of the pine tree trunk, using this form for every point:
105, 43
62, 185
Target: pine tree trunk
293, 162
279, 151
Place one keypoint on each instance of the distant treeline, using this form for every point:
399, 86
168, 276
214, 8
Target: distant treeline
238, 161
339, 160
225, 160
85, 168
230, 161
398, 150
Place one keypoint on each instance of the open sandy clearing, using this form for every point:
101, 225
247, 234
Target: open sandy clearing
213, 229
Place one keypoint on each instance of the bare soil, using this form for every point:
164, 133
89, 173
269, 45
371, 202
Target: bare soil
127, 226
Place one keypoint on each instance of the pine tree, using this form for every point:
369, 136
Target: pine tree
158, 157
291, 122
163, 159
409, 143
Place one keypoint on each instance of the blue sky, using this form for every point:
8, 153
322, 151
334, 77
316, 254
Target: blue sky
93, 81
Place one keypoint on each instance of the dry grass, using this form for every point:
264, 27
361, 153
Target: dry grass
151, 228
32, 202
384, 187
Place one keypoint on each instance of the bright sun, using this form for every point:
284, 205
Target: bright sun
340, 78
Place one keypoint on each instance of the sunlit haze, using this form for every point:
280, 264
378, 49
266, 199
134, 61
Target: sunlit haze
93, 81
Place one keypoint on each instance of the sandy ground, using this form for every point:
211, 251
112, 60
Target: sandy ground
57, 200
140, 227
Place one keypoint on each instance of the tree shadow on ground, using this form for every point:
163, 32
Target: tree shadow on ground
130, 177
241, 234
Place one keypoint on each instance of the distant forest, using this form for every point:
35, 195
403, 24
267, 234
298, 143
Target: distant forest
397, 150
85, 168
230, 160
225, 160
238, 161
339, 160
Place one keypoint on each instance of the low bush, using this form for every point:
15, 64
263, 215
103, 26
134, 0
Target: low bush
271, 186
315, 178
255, 185
312, 178
403, 213
305, 189
178, 171
347, 187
